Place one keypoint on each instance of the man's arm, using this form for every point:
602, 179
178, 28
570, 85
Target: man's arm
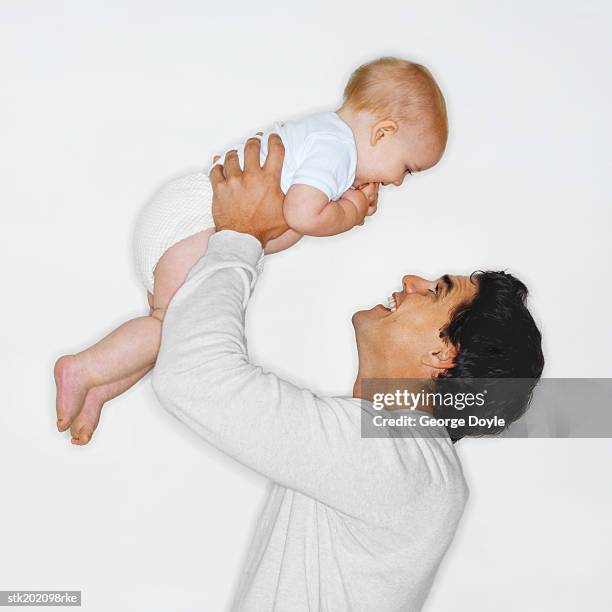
205, 378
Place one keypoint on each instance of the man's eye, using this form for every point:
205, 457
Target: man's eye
435, 290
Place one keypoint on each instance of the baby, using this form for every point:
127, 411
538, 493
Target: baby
392, 123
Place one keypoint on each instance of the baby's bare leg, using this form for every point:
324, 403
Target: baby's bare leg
125, 351
284, 241
87, 420
120, 359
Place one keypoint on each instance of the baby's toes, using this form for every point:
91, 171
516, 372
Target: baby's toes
85, 423
83, 436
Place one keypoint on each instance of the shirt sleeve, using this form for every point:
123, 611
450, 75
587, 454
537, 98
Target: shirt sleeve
308, 443
328, 164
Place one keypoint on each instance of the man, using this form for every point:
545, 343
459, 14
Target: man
352, 523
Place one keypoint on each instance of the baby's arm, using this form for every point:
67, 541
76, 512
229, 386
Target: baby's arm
309, 211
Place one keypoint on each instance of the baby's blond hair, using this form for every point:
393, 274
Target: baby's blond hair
392, 88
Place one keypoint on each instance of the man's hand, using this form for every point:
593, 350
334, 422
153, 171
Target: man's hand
250, 200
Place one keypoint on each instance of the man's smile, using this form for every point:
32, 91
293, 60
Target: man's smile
393, 302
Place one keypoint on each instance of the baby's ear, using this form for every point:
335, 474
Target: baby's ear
383, 129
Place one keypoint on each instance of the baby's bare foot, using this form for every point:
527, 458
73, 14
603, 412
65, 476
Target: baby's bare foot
71, 386
83, 425
87, 420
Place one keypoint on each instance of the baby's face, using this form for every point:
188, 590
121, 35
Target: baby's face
389, 152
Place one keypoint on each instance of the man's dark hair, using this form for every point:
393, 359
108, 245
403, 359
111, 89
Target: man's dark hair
496, 338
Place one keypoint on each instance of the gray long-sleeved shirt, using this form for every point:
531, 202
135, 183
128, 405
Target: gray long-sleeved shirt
351, 523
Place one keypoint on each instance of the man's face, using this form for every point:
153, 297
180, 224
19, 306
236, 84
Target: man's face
402, 339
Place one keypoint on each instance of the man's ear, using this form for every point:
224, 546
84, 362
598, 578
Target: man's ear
382, 129
441, 358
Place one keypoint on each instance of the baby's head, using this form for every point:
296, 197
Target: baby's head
398, 116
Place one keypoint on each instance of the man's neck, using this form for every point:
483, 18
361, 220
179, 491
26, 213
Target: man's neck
371, 380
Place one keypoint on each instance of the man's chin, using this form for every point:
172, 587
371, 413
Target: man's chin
367, 315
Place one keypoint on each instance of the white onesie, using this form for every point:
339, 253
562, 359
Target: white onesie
320, 151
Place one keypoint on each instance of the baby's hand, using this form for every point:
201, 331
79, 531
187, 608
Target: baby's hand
370, 190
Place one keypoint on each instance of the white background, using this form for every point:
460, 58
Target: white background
103, 101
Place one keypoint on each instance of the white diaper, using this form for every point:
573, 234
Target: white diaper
181, 208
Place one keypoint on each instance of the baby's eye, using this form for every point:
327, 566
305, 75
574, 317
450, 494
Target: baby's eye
409, 171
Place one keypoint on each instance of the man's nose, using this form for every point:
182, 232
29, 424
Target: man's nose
416, 284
